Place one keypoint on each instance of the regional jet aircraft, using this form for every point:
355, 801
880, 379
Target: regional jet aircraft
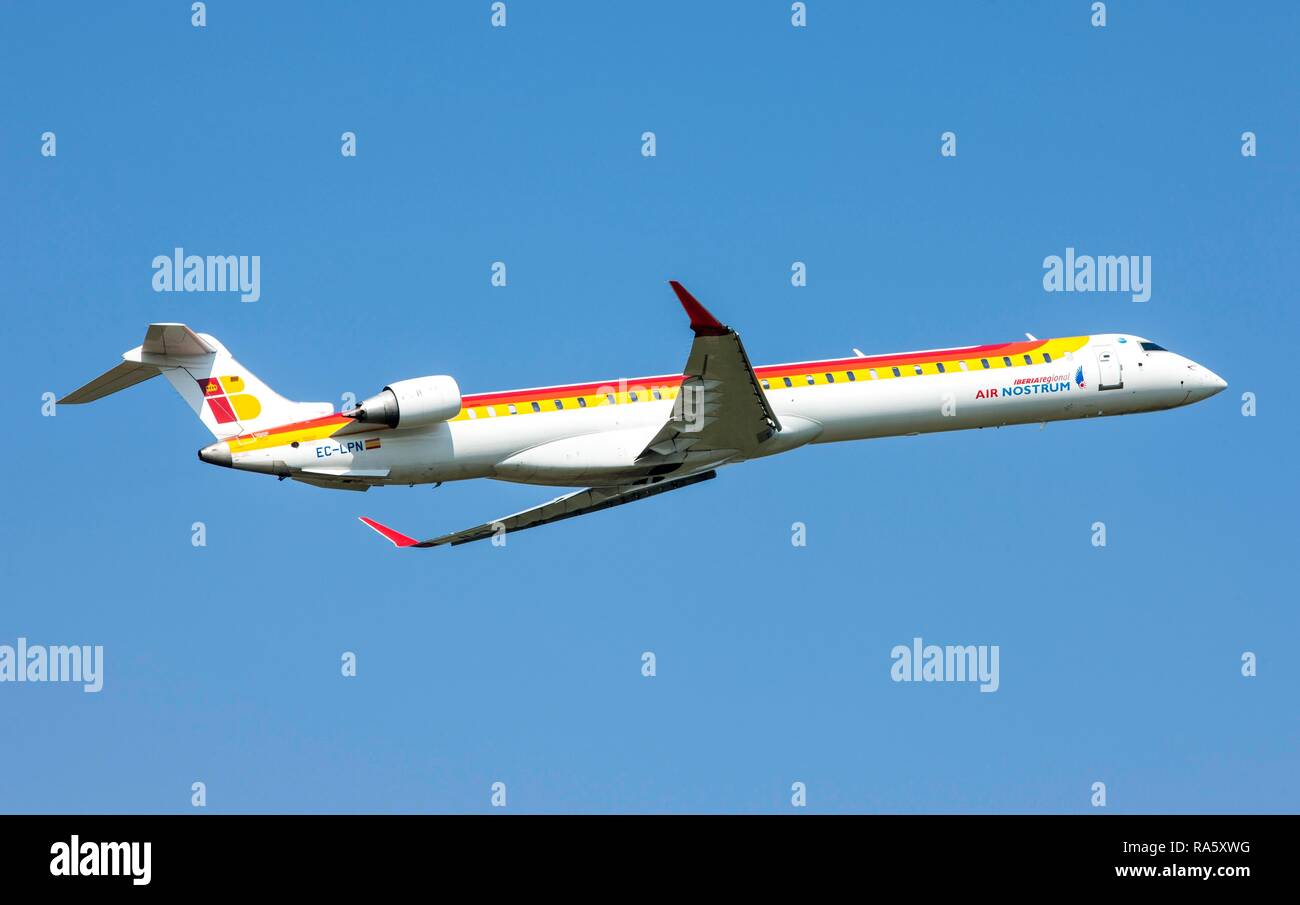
629, 439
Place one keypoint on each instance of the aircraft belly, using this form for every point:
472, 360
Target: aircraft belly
611, 455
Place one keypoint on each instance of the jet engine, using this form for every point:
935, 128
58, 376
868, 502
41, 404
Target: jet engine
411, 403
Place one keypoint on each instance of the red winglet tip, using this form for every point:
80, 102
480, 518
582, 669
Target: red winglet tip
702, 322
398, 538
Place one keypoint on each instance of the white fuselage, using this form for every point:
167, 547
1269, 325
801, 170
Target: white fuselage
592, 435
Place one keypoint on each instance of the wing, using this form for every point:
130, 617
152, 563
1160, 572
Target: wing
721, 406
593, 499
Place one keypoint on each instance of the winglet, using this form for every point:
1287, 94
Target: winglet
398, 538
702, 322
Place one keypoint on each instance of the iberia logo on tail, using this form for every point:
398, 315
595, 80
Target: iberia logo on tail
227, 400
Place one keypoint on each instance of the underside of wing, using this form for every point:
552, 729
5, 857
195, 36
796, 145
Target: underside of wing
580, 502
721, 406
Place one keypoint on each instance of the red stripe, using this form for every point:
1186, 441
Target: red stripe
574, 389
566, 391
806, 367
853, 364
300, 425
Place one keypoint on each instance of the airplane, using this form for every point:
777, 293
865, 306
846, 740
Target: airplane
627, 440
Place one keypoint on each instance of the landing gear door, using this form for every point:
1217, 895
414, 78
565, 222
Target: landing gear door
1111, 371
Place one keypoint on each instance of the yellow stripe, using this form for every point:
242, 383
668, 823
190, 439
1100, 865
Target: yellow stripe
1059, 349
272, 439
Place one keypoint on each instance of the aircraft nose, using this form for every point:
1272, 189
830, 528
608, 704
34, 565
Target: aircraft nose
1212, 382
216, 454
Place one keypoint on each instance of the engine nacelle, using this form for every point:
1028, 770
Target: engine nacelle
411, 403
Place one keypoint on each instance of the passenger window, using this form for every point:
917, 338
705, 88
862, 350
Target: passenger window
1006, 361
874, 375
917, 368
1028, 360
1047, 358
470, 413
809, 378
513, 410
852, 377
582, 402
941, 368
656, 394
830, 378
985, 362
897, 373
536, 407
766, 385
609, 397
492, 411
962, 365
632, 396
788, 383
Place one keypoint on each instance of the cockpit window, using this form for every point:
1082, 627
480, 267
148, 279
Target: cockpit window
1152, 347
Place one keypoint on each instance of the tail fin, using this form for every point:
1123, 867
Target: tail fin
228, 398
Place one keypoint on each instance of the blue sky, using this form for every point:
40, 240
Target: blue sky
775, 144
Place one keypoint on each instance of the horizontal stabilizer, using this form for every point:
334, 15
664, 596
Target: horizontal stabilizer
164, 346
175, 341
126, 374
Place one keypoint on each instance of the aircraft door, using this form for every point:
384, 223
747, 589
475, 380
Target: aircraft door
1110, 369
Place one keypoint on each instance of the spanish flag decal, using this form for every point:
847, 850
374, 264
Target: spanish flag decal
372, 443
